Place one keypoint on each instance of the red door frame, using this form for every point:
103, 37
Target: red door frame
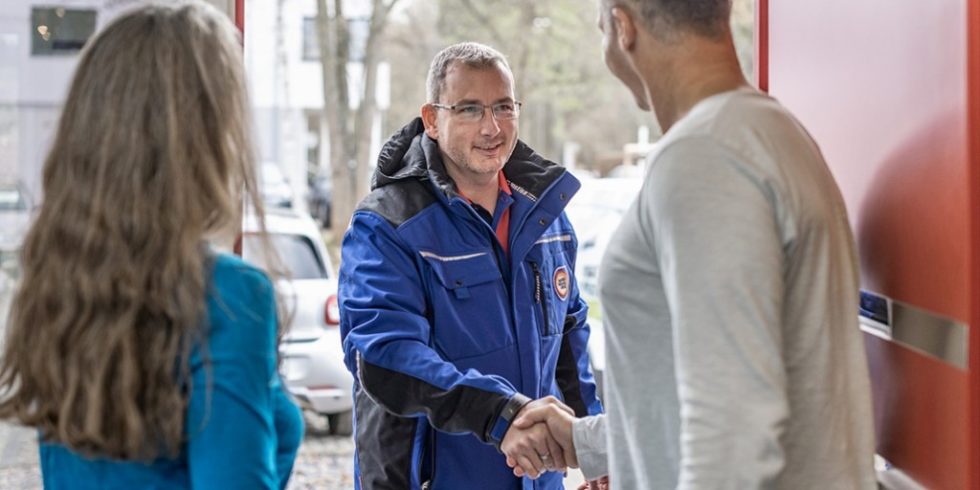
240, 23
762, 45
240, 16
973, 143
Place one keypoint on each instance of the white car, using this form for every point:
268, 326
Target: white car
595, 212
16, 209
312, 357
274, 187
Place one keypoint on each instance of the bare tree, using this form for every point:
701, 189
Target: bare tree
349, 130
553, 49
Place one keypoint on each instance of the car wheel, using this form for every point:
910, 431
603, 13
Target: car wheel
340, 424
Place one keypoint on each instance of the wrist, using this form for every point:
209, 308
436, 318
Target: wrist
498, 429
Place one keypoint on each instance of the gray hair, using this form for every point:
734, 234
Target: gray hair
473, 55
708, 18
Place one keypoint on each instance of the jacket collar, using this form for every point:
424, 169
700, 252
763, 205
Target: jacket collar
411, 154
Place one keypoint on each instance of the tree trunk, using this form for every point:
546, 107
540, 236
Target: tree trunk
364, 121
350, 134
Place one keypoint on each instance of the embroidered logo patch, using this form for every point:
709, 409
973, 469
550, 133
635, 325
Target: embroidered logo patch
561, 282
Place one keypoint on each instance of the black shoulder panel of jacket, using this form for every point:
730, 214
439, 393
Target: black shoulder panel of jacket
399, 201
459, 409
567, 375
384, 445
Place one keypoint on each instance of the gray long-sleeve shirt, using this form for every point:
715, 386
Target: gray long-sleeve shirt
734, 358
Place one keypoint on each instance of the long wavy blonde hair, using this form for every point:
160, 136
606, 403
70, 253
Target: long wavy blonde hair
152, 156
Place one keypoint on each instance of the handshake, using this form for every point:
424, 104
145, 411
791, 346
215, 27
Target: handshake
540, 440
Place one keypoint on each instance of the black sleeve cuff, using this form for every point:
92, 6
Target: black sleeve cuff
507, 414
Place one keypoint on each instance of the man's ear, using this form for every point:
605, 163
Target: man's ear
429, 120
625, 28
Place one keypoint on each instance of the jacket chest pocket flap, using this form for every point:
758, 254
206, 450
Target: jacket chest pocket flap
460, 272
469, 307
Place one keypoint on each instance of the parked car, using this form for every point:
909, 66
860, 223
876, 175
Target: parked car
275, 189
321, 190
595, 212
312, 358
16, 208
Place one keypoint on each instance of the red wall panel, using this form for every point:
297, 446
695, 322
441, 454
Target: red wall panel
908, 400
882, 85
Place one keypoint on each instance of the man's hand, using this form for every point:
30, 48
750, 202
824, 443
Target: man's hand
530, 449
559, 423
600, 484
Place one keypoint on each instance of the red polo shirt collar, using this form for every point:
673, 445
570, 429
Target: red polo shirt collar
503, 225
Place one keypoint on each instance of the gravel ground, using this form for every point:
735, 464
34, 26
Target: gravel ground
323, 461
18, 446
18, 458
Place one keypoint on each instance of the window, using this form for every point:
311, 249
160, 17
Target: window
357, 29
11, 199
59, 31
311, 40
296, 252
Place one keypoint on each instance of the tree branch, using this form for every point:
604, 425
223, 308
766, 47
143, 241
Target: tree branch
388, 7
485, 22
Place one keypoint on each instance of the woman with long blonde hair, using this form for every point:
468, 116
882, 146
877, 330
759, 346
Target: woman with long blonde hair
143, 357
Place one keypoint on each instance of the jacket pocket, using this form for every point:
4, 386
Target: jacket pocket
470, 307
459, 272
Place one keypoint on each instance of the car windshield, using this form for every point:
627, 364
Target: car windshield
296, 253
12, 200
271, 174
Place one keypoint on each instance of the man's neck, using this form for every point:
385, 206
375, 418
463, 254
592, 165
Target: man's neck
481, 189
698, 69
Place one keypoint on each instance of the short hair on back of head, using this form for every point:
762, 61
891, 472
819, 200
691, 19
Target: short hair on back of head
708, 18
473, 55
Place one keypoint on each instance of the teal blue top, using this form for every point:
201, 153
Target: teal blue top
242, 430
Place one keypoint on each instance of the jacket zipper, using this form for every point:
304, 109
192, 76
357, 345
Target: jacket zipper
539, 296
494, 244
432, 460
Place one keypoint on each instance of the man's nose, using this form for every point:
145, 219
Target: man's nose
489, 125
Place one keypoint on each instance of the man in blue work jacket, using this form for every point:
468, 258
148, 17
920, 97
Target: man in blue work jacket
457, 292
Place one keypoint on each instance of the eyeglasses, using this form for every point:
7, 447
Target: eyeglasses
502, 111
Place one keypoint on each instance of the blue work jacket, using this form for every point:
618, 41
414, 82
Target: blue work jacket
447, 335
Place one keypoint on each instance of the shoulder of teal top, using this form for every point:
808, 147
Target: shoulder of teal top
236, 284
232, 427
234, 268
